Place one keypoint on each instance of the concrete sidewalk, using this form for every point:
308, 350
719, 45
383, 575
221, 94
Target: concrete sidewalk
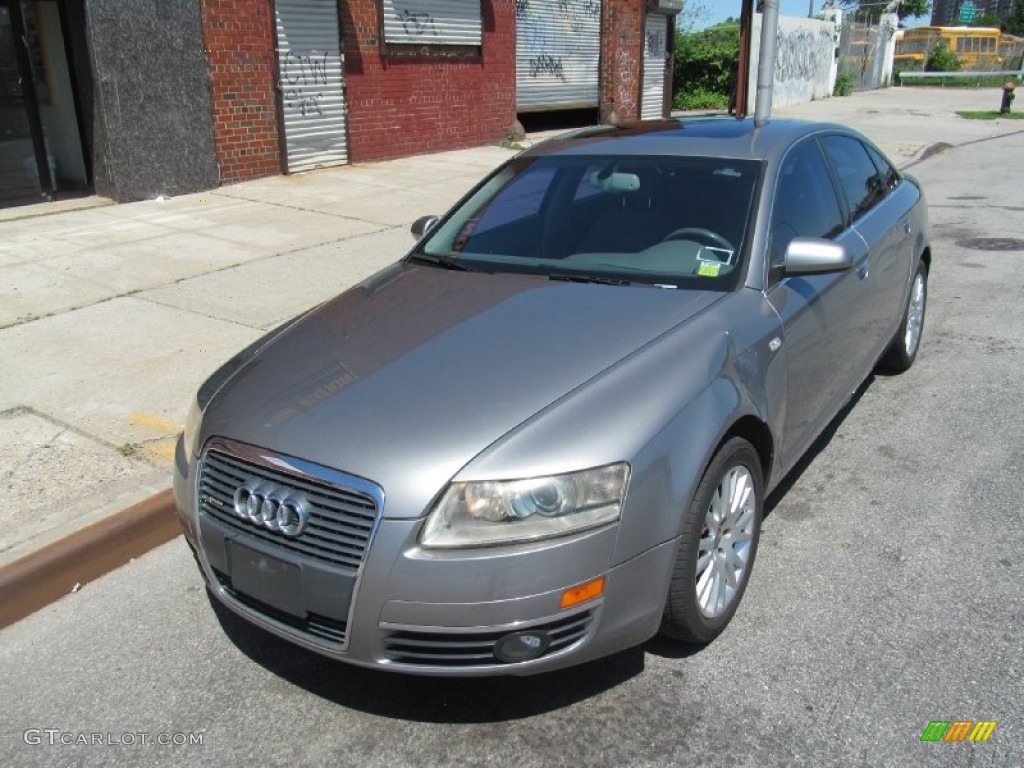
112, 315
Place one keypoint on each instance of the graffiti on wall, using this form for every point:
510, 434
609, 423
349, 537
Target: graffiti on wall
416, 24
805, 58
802, 54
560, 45
655, 43
303, 77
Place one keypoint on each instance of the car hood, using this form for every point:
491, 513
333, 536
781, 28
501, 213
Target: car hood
404, 379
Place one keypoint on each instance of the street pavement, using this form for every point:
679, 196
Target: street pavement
886, 594
112, 315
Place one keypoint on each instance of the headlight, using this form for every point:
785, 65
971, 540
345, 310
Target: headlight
192, 421
506, 511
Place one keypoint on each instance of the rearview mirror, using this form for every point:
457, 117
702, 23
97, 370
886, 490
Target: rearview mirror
810, 255
614, 181
420, 227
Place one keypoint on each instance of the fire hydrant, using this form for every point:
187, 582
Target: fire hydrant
1004, 108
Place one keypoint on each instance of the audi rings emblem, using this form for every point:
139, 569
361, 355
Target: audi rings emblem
278, 509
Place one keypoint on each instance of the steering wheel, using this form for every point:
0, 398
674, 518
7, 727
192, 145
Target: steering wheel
714, 237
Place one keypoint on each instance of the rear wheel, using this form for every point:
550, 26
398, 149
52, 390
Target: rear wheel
903, 350
718, 546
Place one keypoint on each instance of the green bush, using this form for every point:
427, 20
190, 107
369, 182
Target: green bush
941, 59
700, 99
705, 66
844, 84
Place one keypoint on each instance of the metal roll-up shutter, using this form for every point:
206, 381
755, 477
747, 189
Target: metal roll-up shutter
655, 55
311, 82
558, 49
432, 22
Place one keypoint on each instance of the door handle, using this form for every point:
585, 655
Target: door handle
863, 269
907, 228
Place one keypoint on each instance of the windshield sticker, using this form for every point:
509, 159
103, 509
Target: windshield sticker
713, 255
709, 269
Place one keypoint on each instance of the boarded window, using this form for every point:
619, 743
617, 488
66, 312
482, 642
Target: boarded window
432, 22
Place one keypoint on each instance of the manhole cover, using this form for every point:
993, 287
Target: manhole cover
992, 244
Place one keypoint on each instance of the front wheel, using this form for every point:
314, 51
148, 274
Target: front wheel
903, 350
718, 545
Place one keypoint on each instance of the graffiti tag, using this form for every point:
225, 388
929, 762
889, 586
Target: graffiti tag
299, 72
417, 24
546, 64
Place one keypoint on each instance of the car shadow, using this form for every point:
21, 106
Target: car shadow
817, 447
427, 699
665, 648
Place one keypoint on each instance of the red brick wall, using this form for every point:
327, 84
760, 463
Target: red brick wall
406, 100
239, 40
622, 52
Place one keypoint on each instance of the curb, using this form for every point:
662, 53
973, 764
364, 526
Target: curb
38, 579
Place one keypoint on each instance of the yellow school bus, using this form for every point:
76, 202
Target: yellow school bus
976, 47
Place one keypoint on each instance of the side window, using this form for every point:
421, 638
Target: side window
861, 181
890, 176
805, 201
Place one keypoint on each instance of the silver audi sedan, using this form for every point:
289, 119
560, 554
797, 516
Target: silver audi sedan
546, 434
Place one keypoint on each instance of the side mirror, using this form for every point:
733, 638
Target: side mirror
422, 225
810, 255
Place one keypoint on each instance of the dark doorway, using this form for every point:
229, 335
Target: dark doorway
41, 149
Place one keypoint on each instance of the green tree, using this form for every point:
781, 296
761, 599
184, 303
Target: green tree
986, 20
871, 10
693, 13
705, 65
941, 59
1014, 23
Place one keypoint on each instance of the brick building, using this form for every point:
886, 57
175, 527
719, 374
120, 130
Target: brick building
169, 96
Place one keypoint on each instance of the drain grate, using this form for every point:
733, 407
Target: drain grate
992, 244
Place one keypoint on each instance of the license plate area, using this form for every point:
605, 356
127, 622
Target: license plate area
267, 579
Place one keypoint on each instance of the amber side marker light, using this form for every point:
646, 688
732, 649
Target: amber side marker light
582, 593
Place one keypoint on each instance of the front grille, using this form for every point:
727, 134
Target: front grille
469, 649
341, 519
322, 629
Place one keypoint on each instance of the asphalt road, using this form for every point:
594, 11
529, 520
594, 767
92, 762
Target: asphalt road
886, 594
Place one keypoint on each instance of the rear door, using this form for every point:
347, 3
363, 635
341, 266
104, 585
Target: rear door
884, 223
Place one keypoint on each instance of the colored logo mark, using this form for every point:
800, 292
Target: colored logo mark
958, 730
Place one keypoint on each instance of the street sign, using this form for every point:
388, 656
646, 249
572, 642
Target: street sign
968, 10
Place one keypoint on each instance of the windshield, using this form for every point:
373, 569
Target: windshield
670, 221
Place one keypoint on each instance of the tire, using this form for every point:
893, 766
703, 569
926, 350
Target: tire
902, 350
701, 602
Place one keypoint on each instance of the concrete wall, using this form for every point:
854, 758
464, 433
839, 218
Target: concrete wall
804, 61
152, 110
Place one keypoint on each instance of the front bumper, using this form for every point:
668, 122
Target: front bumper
429, 612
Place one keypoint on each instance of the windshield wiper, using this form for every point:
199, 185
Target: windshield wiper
438, 261
589, 279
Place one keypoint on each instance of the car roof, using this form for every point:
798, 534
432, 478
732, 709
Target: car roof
723, 137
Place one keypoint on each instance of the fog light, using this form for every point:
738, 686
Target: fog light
521, 646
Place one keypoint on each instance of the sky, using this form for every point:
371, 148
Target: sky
709, 12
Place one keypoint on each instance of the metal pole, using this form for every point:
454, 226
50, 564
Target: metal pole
766, 62
743, 68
